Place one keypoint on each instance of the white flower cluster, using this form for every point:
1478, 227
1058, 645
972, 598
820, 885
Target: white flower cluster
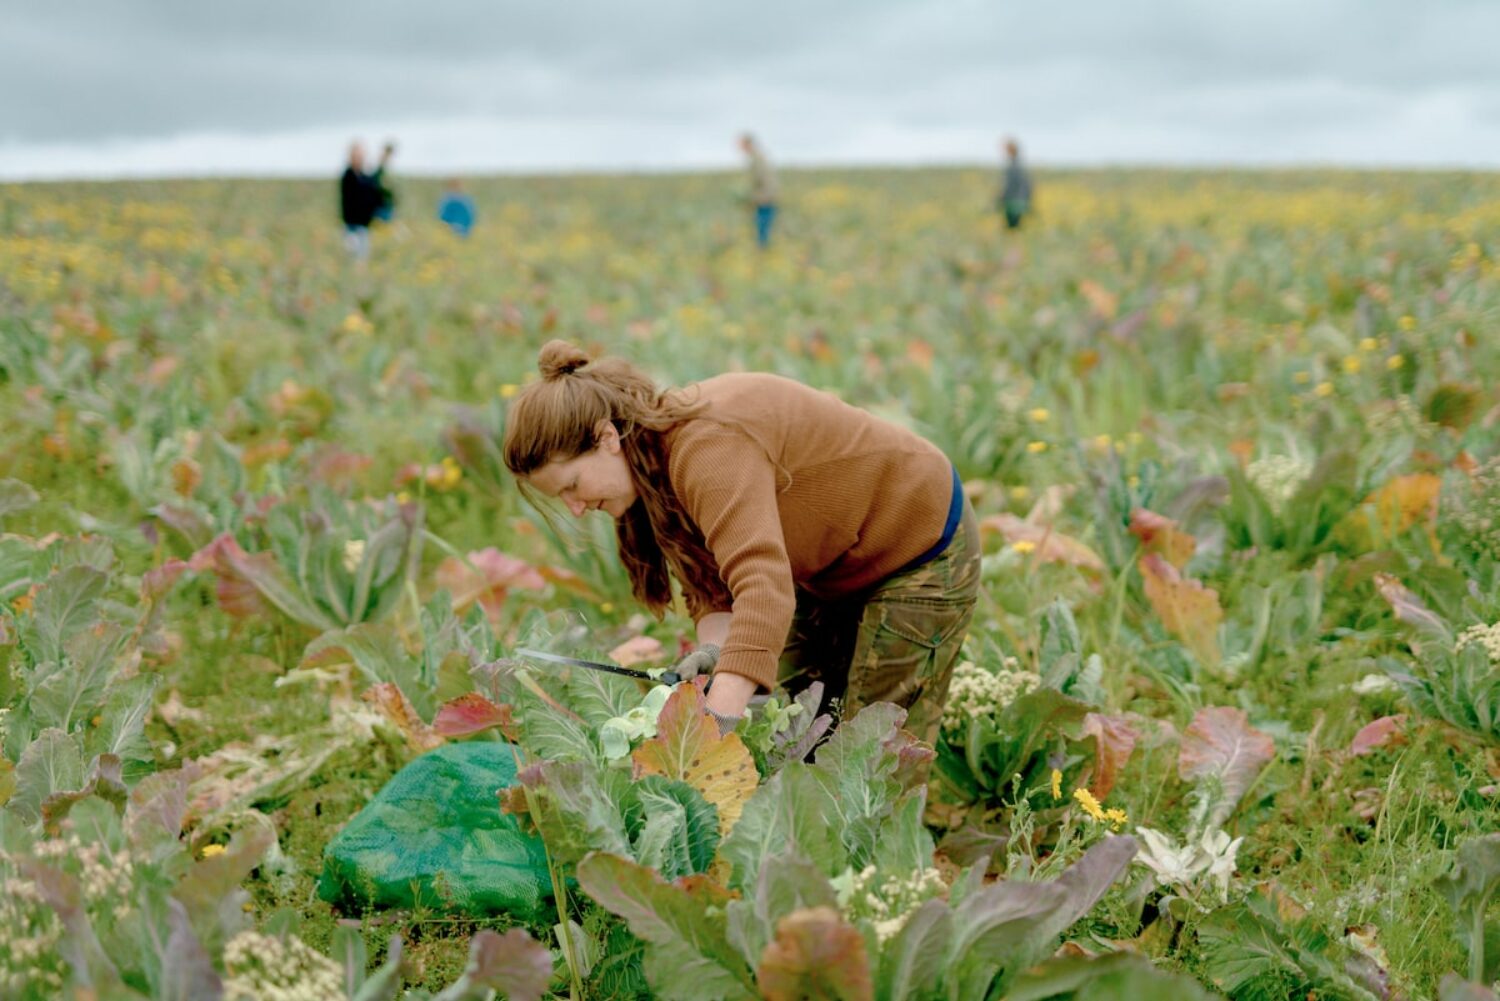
975, 692
1475, 511
101, 873
354, 554
266, 968
29, 935
1211, 858
1278, 477
1482, 636
890, 904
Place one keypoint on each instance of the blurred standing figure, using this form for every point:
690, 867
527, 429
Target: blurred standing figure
387, 207
359, 197
456, 209
762, 189
1015, 188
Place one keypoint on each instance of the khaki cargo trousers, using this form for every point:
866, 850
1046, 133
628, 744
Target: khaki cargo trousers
897, 643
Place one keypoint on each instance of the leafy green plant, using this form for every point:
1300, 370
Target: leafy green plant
328, 565
1469, 889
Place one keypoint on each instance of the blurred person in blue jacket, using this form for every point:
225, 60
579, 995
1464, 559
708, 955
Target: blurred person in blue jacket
456, 209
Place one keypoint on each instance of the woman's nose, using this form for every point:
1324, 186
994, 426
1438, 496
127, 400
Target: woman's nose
576, 507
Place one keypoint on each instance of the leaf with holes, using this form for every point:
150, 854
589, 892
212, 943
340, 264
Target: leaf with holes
688, 747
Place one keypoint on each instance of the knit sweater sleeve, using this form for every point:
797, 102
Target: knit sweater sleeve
728, 486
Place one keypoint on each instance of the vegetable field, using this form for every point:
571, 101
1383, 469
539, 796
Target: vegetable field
1228, 721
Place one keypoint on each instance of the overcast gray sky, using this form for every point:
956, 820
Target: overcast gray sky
127, 87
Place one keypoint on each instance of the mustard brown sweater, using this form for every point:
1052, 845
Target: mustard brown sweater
793, 488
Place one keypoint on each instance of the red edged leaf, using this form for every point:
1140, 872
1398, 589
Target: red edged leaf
1221, 742
470, 713
1114, 740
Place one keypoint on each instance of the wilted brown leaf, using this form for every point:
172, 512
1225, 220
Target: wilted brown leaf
1189, 610
816, 954
1101, 300
392, 703
1393, 509
1160, 534
1051, 546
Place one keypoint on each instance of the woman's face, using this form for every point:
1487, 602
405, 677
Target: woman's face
597, 480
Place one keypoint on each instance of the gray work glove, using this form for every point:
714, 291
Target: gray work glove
726, 723
700, 661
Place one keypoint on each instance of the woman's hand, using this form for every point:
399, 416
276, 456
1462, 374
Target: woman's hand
728, 698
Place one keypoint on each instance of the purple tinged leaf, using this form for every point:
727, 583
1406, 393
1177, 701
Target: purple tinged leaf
514, 964
689, 955
1220, 743
1010, 925
1456, 988
1409, 608
210, 889
157, 808
187, 972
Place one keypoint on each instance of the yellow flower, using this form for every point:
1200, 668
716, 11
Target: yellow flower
356, 323
403, 498
1023, 545
508, 390
1020, 492
209, 851
1368, 344
1102, 442
1407, 323
1394, 362
1117, 818
1302, 378
1323, 389
1089, 803
1056, 784
1036, 447
1039, 414
606, 607
1351, 364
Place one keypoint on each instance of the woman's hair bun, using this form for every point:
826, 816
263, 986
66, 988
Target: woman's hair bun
559, 358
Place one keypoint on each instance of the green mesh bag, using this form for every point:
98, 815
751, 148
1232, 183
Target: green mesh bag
435, 837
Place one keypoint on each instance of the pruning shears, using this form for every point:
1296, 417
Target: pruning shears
665, 678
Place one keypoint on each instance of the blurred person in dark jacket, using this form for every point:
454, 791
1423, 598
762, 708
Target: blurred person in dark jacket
359, 198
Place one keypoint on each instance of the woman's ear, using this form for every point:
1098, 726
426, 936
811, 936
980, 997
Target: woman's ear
607, 436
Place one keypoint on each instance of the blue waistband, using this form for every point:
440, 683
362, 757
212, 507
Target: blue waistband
955, 512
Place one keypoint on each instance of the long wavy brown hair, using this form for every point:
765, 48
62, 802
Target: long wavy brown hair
557, 418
